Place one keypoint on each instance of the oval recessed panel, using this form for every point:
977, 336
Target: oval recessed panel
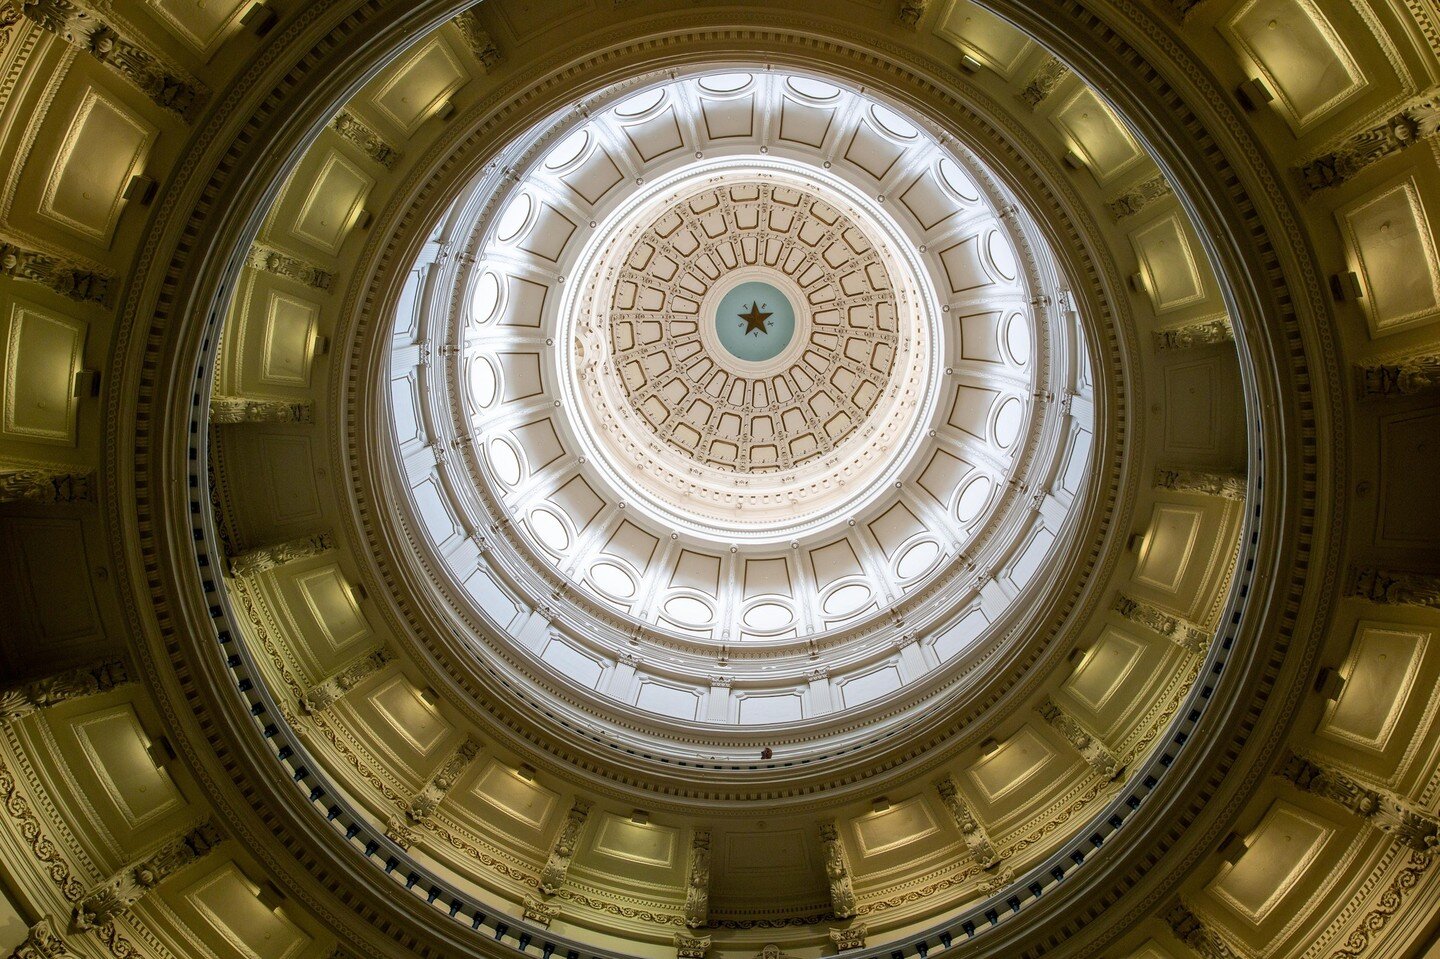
483, 385
725, 82
1017, 339
972, 499
568, 150
917, 559
505, 462
641, 103
846, 600
768, 617
612, 579
813, 89
549, 530
893, 123
512, 221
957, 181
1002, 256
485, 298
688, 611
1007, 422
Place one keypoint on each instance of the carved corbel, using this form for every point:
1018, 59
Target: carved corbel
697, 889
837, 872
1181, 632
562, 852
81, 24
227, 410
1223, 485
324, 693
264, 558
44, 485
123, 890
65, 277
22, 699
976, 839
1408, 825
1087, 744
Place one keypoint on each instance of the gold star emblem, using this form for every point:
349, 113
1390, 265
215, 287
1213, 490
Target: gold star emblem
755, 319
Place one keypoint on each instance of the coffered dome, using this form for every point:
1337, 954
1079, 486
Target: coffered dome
750, 380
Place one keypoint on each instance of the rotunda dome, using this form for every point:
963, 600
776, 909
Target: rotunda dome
768, 480
731, 415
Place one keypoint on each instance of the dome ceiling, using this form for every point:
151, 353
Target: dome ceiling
716, 512
718, 483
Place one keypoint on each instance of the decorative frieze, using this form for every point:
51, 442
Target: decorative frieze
80, 24
1181, 632
19, 701
849, 937
226, 410
1416, 121
1189, 929
976, 839
837, 871
265, 558
1044, 81
1138, 197
1403, 822
56, 273
691, 947
910, 13
697, 889
1204, 333
44, 485
119, 893
425, 802
42, 942
268, 260
322, 694
478, 39
366, 137
1409, 376
1209, 483
1395, 587
1089, 746
557, 865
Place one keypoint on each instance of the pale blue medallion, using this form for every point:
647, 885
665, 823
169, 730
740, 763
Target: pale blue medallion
755, 322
